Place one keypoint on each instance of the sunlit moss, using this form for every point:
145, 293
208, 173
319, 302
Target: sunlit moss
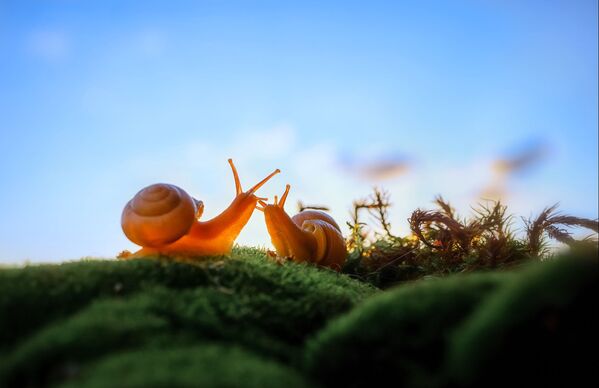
55, 315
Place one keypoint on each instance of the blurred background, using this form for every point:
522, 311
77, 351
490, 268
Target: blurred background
467, 99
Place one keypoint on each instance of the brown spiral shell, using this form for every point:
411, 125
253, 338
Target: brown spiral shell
305, 215
330, 244
158, 215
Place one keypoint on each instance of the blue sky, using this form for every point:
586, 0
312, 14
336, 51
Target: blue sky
99, 99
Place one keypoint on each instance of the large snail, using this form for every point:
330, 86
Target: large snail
163, 219
309, 236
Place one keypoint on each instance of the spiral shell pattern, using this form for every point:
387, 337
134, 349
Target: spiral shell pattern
306, 215
158, 215
330, 245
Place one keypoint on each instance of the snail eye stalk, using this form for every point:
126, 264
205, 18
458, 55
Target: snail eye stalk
284, 196
238, 189
263, 181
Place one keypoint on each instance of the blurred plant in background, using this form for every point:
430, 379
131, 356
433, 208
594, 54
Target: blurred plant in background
442, 242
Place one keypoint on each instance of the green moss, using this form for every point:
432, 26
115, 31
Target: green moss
399, 336
103, 327
246, 320
92, 309
540, 330
35, 295
200, 366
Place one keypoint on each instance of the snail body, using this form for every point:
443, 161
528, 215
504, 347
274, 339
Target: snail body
309, 236
163, 219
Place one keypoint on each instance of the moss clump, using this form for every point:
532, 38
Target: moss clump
35, 295
399, 336
104, 327
207, 365
538, 330
246, 321
531, 327
92, 309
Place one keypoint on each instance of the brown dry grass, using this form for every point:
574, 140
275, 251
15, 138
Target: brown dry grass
443, 243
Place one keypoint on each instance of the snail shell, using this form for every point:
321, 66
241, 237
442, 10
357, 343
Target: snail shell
159, 214
306, 215
330, 244
310, 235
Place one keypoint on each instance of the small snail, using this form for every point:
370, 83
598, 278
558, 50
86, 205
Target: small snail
310, 235
163, 219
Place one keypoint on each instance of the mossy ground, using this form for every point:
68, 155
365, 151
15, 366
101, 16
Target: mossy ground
246, 321
59, 321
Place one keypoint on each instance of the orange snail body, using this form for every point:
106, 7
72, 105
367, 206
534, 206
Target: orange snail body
309, 236
163, 220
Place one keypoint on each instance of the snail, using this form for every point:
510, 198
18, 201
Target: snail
163, 219
309, 236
